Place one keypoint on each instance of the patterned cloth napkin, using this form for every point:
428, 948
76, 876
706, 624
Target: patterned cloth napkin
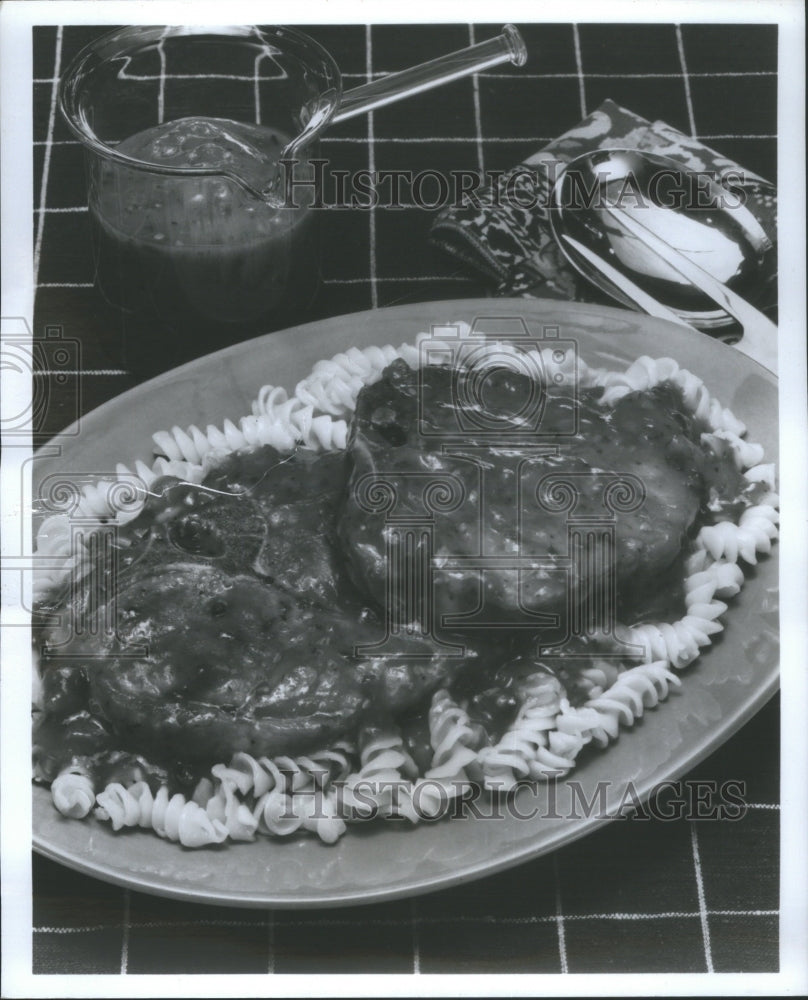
514, 246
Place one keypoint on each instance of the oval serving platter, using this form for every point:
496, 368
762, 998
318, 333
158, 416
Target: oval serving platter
722, 690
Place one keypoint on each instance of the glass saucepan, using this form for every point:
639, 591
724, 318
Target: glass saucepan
184, 130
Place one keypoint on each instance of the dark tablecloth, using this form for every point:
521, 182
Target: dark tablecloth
685, 895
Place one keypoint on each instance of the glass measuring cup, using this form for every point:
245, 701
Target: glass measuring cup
184, 129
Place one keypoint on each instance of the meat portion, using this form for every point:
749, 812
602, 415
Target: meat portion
236, 663
235, 629
519, 524
287, 599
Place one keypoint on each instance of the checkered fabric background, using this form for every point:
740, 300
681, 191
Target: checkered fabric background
637, 896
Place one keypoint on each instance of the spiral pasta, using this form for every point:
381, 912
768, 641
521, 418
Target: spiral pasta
225, 807
56, 557
595, 679
195, 445
315, 808
644, 373
374, 790
450, 730
455, 742
753, 534
315, 432
523, 751
278, 796
321, 792
626, 700
54, 536
333, 385
647, 372
170, 816
73, 792
713, 576
763, 473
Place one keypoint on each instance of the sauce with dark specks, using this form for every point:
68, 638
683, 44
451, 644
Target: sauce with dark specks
251, 608
199, 248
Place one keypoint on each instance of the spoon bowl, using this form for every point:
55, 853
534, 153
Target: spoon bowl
706, 221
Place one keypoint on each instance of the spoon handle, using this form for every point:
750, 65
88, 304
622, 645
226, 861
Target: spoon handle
759, 340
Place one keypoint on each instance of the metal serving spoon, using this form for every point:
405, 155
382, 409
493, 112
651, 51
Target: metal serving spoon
668, 241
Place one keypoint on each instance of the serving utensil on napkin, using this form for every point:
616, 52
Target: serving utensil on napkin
759, 340
514, 246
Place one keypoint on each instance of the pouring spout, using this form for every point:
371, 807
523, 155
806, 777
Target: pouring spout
509, 46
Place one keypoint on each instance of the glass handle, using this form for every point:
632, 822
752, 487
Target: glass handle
507, 47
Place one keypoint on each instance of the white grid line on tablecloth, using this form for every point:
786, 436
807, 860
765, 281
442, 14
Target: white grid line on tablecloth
62, 210
125, 935
422, 920
257, 87
413, 140
66, 284
326, 281
43, 190
161, 90
703, 915
576, 38
478, 123
374, 291
44, 80
415, 922
270, 942
416, 944
393, 281
680, 46
559, 919
40, 372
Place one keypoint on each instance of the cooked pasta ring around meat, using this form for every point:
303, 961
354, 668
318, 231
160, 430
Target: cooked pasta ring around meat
271, 669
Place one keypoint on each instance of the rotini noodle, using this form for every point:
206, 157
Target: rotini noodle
598, 677
182, 446
762, 474
626, 700
523, 750
745, 453
225, 807
753, 534
73, 793
450, 729
170, 816
332, 393
54, 535
318, 811
279, 796
320, 792
455, 742
384, 764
